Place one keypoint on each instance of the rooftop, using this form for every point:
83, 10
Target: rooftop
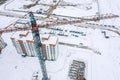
27, 35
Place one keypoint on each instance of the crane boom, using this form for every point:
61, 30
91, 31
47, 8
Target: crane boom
52, 9
36, 38
63, 21
31, 5
98, 5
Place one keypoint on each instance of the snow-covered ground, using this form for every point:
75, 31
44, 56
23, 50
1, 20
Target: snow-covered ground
98, 67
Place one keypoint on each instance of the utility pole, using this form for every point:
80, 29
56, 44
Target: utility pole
37, 41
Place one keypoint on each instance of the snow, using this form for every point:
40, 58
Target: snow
106, 65
5, 21
16, 35
13, 66
98, 67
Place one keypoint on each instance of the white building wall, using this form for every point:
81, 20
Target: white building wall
15, 45
30, 48
20, 49
49, 51
27, 49
2, 43
33, 49
57, 49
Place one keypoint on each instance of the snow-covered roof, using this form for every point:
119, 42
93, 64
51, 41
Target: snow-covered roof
53, 40
46, 39
17, 35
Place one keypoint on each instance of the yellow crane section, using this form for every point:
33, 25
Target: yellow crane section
31, 5
52, 9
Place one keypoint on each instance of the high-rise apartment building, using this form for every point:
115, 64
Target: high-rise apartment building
2, 44
24, 45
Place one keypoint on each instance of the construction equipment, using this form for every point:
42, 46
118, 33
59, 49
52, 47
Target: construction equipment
52, 9
36, 38
60, 4
98, 6
31, 5
59, 21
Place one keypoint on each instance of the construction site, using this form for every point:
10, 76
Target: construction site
59, 40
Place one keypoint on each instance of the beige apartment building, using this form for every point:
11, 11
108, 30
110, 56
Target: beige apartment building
24, 44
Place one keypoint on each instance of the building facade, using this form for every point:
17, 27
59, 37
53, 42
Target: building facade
77, 70
50, 48
2, 44
24, 45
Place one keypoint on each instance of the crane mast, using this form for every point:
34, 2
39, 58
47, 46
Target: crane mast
36, 38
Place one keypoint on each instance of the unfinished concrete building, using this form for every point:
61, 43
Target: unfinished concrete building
77, 70
24, 44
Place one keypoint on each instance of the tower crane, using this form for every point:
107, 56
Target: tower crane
36, 37
98, 6
60, 21
31, 5
52, 9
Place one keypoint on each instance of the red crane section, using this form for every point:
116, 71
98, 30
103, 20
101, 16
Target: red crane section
58, 22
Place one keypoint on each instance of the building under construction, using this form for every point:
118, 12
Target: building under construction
24, 44
77, 70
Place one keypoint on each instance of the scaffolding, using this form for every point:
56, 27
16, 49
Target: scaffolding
77, 70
